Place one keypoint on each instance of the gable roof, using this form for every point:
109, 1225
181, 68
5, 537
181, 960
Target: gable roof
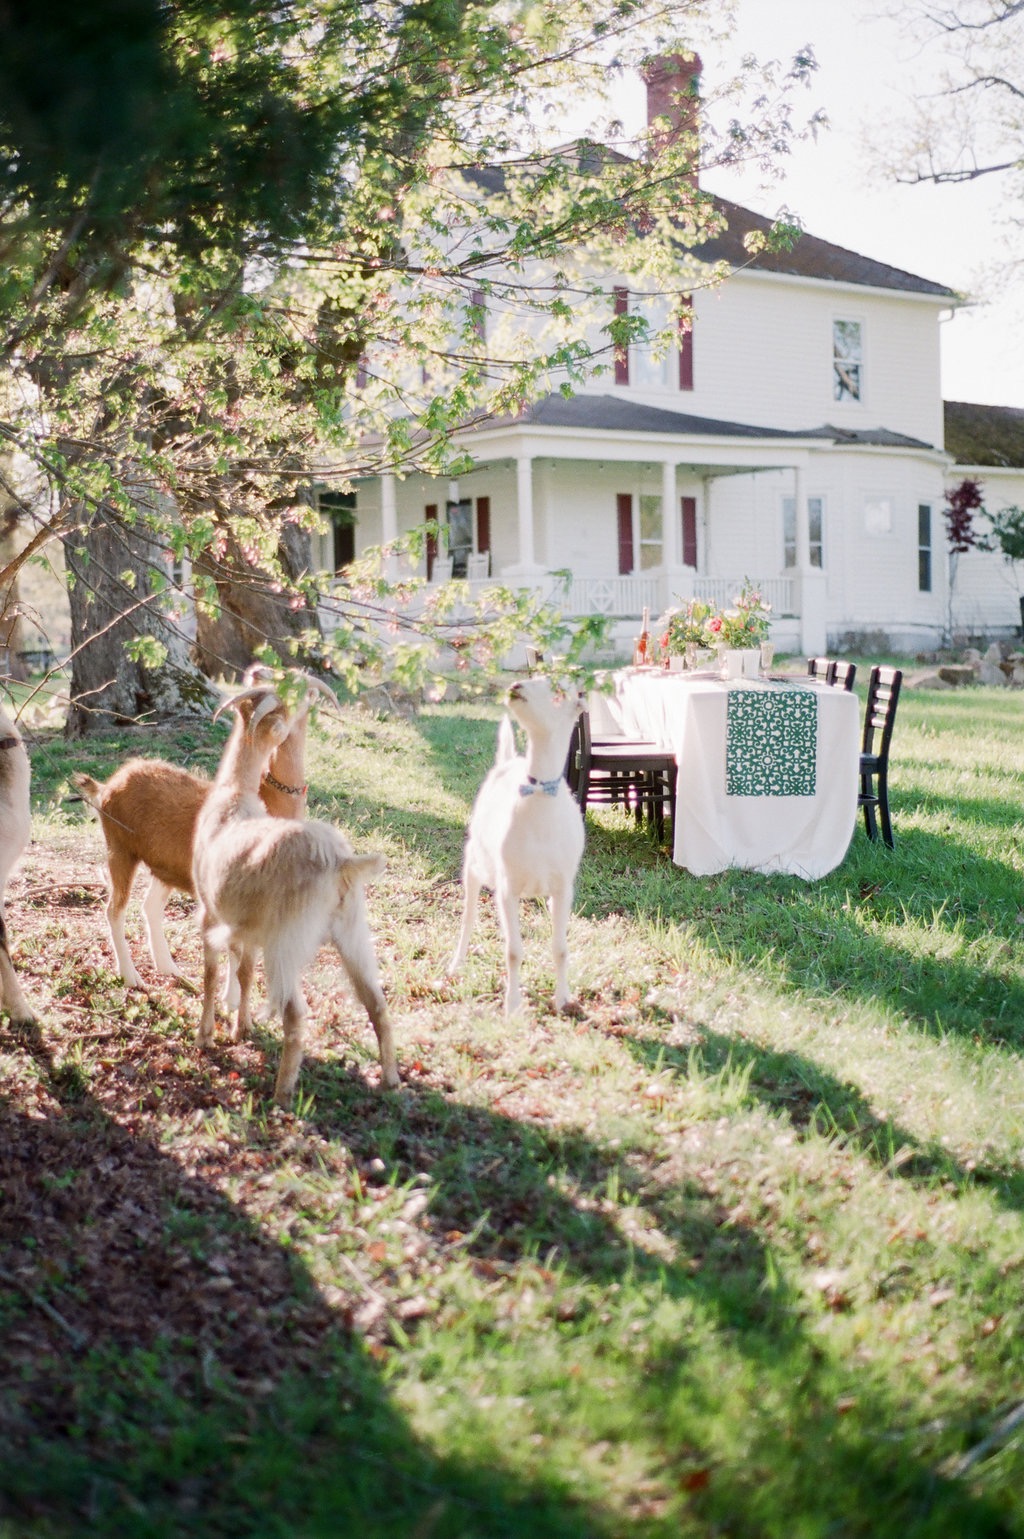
809, 257
985, 435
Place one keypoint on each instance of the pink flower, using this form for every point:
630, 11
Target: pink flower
715, 624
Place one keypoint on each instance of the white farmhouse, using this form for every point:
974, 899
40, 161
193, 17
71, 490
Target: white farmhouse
796, 436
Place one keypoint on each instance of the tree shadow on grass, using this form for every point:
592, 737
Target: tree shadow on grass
717, 1326
816, 1103
170, 1370
826, 938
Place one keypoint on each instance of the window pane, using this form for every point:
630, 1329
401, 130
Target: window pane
847, 360
815, 519
650, 532
924, 571
924, 524
645, 368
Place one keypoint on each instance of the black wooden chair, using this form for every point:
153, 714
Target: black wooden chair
823, 668
638, 777
879, 720
832, 670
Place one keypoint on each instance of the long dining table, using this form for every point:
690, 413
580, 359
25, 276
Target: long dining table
767, 768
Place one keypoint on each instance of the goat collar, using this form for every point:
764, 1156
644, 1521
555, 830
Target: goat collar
10, 742
545, 787
280, 786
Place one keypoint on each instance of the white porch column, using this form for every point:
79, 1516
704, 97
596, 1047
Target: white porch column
526, 565
808, 581
803, 522
671, 531
388, 521
677, 580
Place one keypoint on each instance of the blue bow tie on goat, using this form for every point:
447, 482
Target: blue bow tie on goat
546, 787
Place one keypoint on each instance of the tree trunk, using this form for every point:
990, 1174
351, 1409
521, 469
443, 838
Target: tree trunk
110, 579
250, 614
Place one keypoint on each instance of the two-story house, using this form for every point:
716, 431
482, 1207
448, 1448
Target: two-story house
794, 436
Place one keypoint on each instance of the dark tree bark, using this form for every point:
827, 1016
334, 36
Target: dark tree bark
249, 613
110, 578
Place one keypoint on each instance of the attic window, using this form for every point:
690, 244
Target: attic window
847, 360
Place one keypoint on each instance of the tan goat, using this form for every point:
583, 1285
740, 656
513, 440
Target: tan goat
283, 888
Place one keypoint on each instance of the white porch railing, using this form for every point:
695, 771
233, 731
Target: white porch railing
611, 595
619, 597
721, 591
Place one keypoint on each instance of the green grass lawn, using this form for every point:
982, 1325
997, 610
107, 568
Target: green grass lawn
736, 1249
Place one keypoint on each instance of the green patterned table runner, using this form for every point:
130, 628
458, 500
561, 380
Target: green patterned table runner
771, 742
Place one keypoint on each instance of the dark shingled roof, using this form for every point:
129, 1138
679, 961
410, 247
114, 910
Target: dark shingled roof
809, 257
985, 435
616, 414
613, 414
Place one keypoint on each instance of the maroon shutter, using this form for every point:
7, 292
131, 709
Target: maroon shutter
483, 524
686, 346
689, 512
621, 353
430, 514
624, 510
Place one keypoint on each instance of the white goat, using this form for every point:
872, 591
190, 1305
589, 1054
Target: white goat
285, 888
15, 825
148, 810
526, 831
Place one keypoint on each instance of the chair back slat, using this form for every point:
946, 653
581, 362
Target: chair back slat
880, 710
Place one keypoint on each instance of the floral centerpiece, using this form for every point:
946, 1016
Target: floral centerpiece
745, 625
685, 626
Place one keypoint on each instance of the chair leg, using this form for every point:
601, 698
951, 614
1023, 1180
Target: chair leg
868, 801
883, 812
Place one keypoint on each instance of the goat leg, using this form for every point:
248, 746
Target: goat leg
153, 905
471, 884
244, 965
13, 1000
121, 871
211, 967
354, 944
293, 1021
508, 915
560, 906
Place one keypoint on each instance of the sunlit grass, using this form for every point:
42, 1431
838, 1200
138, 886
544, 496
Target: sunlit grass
736, 1249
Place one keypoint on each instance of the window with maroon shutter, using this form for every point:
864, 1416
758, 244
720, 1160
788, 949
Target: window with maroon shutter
624, 509
483, 524
430, 515
621, 353
686, 348
688, 506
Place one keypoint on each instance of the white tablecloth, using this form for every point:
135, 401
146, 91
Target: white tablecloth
806, 835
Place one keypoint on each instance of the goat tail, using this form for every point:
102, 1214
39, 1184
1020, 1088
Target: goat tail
358, 868
506, 741
91, 790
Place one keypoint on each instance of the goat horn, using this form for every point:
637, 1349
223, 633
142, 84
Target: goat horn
270, 703
255, 691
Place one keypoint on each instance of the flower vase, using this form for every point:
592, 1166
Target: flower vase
677, 662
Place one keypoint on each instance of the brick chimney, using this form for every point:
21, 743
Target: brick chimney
673, 94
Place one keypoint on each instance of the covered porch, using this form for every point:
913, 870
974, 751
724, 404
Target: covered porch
607, 507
